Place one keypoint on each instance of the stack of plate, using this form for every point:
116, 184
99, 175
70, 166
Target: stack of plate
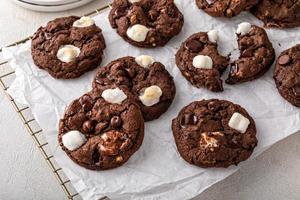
51, 5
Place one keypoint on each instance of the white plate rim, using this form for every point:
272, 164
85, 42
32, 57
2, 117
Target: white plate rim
49, 2
58, 8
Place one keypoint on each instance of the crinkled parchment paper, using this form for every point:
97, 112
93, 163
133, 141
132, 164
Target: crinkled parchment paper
157, 171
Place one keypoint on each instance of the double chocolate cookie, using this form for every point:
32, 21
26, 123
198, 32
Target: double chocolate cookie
225, 8
278, 13
287, 75
68, 47
146, 23
101, 130
200, 62
256, 54
151, 85
214, 133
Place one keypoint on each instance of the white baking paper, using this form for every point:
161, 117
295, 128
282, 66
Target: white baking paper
157, 171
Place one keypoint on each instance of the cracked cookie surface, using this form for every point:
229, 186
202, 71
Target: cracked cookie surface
128, 73
225, 8
47, 41
199, 44
112, 132
161, 17
278, 13
256, 56
204, 138
287, 75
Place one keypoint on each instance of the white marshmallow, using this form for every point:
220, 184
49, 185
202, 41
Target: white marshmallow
114, 95
239, 122
134, 1
144, 61
203, 62
84, 22
150, 95
210, 141
72, 140
67, 53
243, 28
213, 36
137, 32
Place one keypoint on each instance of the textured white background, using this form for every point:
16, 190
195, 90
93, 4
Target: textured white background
25, 175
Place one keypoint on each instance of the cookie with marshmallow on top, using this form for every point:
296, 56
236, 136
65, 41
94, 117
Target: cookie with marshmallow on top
200, 62
102, 129
256, 54
67, 47
214, 133
150, 84
146, 23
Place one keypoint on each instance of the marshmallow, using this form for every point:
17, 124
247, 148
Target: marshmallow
239, 122
213, 36
209, 141
84, 22
138, 32
67, 53
203, 62
144, 61
243, 28
150, 95
114, 95
72, 140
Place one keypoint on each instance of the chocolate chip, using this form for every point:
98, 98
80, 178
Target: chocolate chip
234, 69
284, 60
88, 126
96, 156
86, 102
76, 121
213, 106
100, 127
115, 122
130, 72
296, 91
193, 45
188, 119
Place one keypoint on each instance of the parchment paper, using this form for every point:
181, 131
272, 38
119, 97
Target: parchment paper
157, 171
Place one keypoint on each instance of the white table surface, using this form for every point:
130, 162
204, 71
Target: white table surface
24, 174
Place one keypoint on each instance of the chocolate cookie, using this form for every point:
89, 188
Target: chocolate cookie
278, 13
149, 82
287, 75
214, 133
101, 130
68, 47
200, 62
146, 23
225, 8
256, 54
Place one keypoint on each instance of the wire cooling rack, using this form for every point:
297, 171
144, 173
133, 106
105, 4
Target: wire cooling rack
7, 75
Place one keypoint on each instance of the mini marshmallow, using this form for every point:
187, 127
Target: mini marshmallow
144, 61
138, 32
243, 28
84, 22
114, 95
239, 122
203, 62
72, 140
213, 36
67, 53
150, 95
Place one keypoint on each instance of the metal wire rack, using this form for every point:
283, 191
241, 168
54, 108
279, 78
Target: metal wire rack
7, 75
